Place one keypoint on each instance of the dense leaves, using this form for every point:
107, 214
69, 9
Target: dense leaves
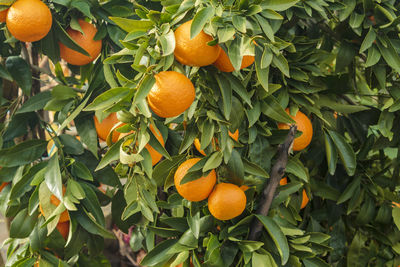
336, 61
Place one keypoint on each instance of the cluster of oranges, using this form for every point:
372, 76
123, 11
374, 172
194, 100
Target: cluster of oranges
31, 21
225, 201
173, 85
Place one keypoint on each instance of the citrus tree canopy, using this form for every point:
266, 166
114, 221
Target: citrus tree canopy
214, 133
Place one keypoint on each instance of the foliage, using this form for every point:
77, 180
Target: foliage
326, 57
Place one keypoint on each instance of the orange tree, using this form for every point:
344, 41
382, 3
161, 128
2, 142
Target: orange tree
310, 86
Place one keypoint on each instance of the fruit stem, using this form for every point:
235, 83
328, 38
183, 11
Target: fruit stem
277, 172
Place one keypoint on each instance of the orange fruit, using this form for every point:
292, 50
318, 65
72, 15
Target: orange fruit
3, 15
171, 95
196, 190
223, 63
197, 144
396, 204
63, 228
304, 125
104, 127
85, 41
64, 217
244, 187
196, 51
305, 198
335, 114
29, 20
155, 156
36, 264
2, 186
226, 201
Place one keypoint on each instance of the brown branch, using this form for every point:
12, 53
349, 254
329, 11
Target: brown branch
277, 172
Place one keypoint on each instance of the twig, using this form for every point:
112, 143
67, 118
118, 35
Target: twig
277, 172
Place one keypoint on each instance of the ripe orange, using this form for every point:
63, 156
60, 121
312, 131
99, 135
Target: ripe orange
29, 20
104, 127
226, 201
64, 217
2, 186
155, 156
223, 63
197, 144
196, 51
196, 190
85, 41
304, 125
171, 95
3, 15
305, 198
63, 228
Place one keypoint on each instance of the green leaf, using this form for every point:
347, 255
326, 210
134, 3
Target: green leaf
235, 52
226, 92
162, 170
159, 253
396, 216
277, 236
332, 103
22, 225
254, 169
345, 56
263, 260
36, 102
373, 57
357, 255
131, 25
274, 110
349, 191
111, 155
80, 170
89, 224
331, 154
278, 5
6, 75
71, 145
296, 167
20, 72
262, 74
390, 55
144, 88
368, 40
64, 37
346, 152
22, 153
200, 19
87, 131
213, 161
53, 178
239, 23
235, 168
74, 114
108, 98
168, 43
238, 88
266, 27
226, 33
62, 92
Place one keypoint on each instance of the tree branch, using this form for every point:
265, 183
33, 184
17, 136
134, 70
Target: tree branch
277, 172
